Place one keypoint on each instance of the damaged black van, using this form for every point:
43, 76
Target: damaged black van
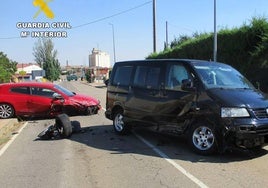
212, 103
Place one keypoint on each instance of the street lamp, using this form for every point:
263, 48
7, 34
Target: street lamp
113, 42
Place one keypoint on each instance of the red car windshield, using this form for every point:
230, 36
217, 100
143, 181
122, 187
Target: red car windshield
64, 90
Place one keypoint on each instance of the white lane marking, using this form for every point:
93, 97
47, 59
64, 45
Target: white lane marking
177, 166
4, 148
173, 163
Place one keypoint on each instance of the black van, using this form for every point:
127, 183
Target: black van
211, 103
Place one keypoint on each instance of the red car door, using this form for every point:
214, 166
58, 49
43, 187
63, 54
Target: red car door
39, 102
19, 95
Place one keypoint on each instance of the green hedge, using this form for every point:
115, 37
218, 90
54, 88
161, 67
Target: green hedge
245, 48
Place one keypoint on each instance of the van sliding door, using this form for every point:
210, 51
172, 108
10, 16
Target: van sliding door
144, 97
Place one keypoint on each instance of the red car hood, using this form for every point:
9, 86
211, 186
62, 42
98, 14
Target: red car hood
84, 100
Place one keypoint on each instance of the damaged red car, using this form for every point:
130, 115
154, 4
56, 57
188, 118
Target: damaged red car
36, 99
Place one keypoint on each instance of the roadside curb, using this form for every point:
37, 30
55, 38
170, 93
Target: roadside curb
97, 85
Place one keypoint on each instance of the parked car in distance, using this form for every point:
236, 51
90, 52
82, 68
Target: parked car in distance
211, 103
36, 99
72, 77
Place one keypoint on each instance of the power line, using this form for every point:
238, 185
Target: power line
7, 38
95, 21
114, 15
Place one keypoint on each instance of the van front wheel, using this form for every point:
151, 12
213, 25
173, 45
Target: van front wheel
120, 126
202, 138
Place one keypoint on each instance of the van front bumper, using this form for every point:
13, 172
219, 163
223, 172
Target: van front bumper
247, 132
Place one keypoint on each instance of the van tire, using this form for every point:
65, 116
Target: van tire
120, 127
202, 138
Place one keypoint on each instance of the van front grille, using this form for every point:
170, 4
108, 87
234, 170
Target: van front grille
262, 131
260, 113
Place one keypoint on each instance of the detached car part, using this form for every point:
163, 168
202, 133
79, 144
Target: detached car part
61, 129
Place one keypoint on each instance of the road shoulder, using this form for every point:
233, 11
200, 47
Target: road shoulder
8, 128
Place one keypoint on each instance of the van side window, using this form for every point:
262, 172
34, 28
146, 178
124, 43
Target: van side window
122, 76
147, 77
175, 74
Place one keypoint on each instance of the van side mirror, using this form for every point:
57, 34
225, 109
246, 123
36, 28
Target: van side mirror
187, 85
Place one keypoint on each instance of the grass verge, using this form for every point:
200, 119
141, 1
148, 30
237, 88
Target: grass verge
6, 132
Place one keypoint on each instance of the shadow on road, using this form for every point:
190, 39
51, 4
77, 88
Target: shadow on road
103, 137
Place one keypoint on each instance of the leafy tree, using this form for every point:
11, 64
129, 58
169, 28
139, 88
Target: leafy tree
90, 75
46, 57
7, 68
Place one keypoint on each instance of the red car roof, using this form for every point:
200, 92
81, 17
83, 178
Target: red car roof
48, 84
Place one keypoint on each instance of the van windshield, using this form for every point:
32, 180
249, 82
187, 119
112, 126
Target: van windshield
217, 75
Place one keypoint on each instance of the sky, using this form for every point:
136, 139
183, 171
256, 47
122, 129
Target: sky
95, 22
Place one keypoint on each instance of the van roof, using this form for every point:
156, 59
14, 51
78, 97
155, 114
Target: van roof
188, 61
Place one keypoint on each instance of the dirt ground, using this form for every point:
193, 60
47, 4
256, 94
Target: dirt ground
6, 132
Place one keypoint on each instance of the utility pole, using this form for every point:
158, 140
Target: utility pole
154, 25
215, 34
113, 42
166, 45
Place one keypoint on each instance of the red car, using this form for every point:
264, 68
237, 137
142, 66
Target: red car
35, 99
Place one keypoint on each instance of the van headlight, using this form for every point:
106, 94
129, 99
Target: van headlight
234, 112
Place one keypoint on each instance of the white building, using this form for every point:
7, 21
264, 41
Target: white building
29, 71
27, 67
99, 59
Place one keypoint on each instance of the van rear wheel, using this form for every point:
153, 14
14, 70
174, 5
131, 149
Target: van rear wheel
202, 138
120, 126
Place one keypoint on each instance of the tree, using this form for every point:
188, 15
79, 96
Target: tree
90, 76
7, 68
46, 57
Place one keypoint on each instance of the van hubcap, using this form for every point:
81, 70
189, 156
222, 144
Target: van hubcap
203, 138
118, 122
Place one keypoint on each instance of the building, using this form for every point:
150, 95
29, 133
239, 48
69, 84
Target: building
99, 64
98, 58
29, 71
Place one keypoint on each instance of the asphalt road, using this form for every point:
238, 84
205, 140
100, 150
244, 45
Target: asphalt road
99, 158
